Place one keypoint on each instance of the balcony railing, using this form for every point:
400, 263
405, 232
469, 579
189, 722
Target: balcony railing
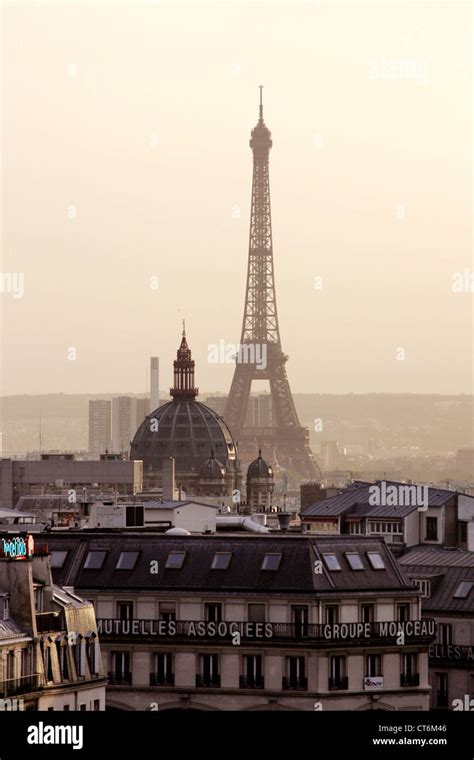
158, 679
253, 682
338, 634
300, 683
47, 622
342, 682
14, 686
208, 681
410, 680
119, 679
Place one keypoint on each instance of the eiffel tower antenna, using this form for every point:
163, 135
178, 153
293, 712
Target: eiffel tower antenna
261, 336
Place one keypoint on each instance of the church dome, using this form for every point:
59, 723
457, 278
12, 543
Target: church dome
184, 429
259, 468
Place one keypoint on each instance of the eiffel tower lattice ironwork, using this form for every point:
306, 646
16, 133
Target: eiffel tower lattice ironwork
286, 442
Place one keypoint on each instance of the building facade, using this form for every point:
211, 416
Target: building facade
250, 622
100, 420
50, 656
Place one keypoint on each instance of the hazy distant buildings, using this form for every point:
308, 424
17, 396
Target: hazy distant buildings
127, 415
61, 474
217, 403
329, 455
465, 462
99, 425
154, 383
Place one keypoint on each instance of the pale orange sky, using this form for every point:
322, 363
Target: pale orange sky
139, 116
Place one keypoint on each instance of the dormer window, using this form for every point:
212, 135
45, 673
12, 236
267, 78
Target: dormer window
5, 607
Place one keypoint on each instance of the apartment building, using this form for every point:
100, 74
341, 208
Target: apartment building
250, 622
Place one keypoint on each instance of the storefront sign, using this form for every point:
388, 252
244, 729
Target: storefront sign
17, 547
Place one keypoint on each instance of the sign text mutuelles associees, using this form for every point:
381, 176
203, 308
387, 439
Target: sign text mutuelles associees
204, 629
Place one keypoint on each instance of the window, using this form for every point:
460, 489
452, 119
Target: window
66, 708
409, 675
127, 561
79, 654
92, 649
295, 673
11, 666
38, 598
354, 561
463, 590
83, 707
58, 559
424, 585
120, 673
221, 561
403, 612
213, 612
441, 685
94, 560
6, 608
48, 667
256, 613
299, 618
167, 611
431, 529
134, 516
271, 562
252, 677
337, 672
373, 665
331, 613
463, 532
96, 705
209, 675
367, 613
332, 562
162, 669
125, 610
445, 634
376, 560
61, 651
175, 560
355, 527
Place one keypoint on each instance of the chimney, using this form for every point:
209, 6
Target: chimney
169, 490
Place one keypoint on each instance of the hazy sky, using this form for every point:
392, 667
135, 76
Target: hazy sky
126, 157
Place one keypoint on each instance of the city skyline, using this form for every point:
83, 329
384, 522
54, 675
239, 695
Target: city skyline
367, 234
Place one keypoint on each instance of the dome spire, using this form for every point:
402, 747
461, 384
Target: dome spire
184, 371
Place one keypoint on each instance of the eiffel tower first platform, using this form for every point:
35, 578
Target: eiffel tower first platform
286, 443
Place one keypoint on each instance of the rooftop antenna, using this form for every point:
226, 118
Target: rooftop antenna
40, 436
261, 101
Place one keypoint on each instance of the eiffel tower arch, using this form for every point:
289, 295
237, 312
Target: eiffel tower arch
261, 357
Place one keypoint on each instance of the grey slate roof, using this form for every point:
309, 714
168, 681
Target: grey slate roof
295, 573
446, 568
355, 500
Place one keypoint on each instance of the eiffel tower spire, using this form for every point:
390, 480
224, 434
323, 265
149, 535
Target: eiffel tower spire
286, 442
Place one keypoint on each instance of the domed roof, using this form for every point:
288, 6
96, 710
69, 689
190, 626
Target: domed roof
186, 430
177, 532
212, 469
259, 468
183, 428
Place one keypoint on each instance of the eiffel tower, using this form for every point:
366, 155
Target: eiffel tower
285, 443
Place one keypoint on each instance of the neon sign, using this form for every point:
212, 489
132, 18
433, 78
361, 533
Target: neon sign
17, 547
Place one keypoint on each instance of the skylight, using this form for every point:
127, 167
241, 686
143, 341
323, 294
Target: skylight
271, 562
175, 560
376, 560
221, 561
331, 561
354, 561
463, 590
127, 561
94, 560
58, 558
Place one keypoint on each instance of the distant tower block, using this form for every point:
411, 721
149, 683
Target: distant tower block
169, 488
284, 441
154, 383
